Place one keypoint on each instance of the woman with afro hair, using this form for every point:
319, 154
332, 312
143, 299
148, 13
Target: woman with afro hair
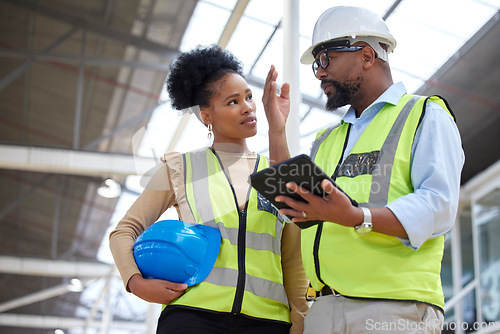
257, 284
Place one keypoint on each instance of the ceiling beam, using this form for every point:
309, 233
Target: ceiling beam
97, 26
72, 162
9, 78
53, 268
36, 321
232, 22
69, 58
38, 296
391, 10
481, 184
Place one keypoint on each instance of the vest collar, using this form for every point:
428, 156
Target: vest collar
392, 96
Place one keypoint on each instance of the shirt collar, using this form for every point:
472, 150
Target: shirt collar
392, 95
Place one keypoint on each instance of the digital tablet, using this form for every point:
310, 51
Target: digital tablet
301, 170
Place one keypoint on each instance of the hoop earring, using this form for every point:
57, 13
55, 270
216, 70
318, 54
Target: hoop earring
210, 133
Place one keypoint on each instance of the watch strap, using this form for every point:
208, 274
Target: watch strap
367, 215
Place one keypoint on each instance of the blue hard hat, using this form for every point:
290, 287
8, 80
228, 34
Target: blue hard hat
176, 251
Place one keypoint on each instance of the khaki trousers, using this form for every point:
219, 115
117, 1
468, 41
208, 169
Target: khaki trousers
337, 314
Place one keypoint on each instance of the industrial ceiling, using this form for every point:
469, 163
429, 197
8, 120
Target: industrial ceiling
75, 77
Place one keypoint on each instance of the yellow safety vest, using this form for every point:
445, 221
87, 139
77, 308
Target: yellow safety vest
247, 277
376, 172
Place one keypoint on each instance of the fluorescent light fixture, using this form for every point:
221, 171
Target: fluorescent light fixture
75, 285
109, 189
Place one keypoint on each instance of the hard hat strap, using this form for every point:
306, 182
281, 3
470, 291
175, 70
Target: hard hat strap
329, 44
373, 41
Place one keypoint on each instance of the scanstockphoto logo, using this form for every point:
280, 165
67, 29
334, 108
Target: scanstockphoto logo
146, 167
405, 325
304, 175
310, 177
149, 159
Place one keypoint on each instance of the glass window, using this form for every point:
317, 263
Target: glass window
487, 213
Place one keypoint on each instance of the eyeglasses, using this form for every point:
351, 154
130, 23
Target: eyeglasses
324, 61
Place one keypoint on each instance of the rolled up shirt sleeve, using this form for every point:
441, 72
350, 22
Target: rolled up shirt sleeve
436, 165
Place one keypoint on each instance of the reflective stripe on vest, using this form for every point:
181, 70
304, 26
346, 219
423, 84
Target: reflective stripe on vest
376, 172
247, 277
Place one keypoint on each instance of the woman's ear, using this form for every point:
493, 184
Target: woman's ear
205, 116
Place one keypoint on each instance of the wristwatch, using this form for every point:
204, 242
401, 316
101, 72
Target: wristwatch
366, 225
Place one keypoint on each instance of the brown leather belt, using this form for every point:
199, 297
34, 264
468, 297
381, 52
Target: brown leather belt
325, 291
311, 294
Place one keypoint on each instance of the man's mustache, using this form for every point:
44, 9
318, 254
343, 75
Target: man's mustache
325, 83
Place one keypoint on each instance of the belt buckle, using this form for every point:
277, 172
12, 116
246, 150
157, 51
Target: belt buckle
310, 294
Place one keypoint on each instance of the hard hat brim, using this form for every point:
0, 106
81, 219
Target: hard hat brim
214, 241
307, 57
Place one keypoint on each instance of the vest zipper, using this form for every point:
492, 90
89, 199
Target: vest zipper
242, 228
240, 285
319, 230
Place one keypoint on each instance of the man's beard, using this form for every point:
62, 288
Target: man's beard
344, 93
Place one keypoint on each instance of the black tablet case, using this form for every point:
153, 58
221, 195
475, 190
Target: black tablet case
300, 169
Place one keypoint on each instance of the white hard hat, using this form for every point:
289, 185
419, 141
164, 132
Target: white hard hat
338, 25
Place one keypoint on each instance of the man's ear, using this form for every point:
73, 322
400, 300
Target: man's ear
369, 56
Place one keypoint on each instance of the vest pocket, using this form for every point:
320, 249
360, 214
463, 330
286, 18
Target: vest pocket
359, 164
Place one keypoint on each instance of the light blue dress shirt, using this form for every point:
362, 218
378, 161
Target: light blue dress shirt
436, 162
